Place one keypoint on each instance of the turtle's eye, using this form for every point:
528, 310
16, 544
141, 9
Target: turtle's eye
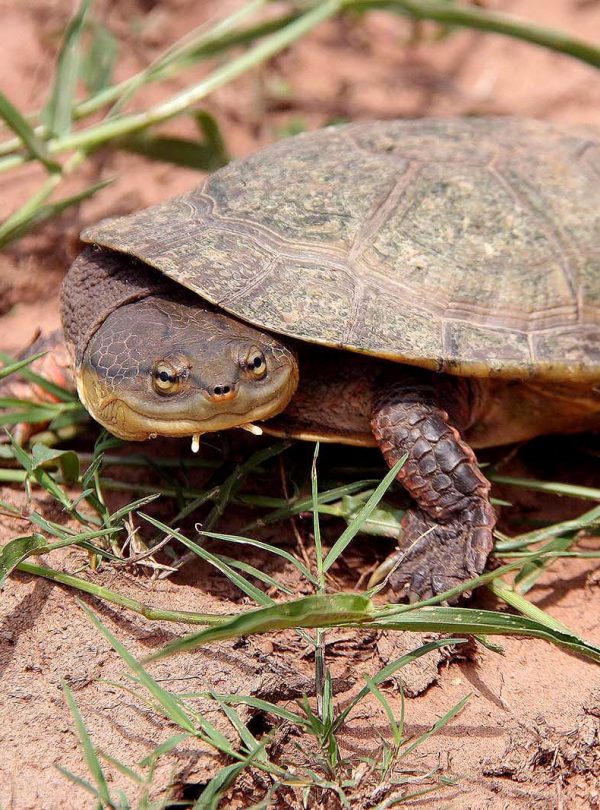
166, 377
255, 364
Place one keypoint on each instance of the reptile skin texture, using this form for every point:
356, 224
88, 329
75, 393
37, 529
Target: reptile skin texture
97, 283
447, 536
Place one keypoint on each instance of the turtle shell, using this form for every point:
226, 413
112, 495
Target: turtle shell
470, 246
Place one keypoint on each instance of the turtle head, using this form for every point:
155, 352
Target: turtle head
163, 367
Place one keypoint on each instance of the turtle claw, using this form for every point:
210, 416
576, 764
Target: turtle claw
435, 557
383, 571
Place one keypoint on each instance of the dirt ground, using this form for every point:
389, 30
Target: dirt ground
530, 735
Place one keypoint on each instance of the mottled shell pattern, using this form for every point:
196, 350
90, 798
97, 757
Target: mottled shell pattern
470, 246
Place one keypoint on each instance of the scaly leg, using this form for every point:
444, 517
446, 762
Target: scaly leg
447, 536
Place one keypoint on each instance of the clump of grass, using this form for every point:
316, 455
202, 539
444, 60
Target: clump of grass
62, 136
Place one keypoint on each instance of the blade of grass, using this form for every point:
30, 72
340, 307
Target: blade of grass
164, 748
110, 129
242, 583
279, 552
122, 767
171, 706
439, 724
556, 487
314, 491
36, 210
482, 622
99, 60
380, 697
517, 601
297, 505
58, 112
246, 737
17, 550
24, 131
588, 520
257, 703
212, 793
255, 572
532, 571
11, 366
91, 588
354, 528
309, 611
79, 781
483, 19
390, 669
89, 751
177, 151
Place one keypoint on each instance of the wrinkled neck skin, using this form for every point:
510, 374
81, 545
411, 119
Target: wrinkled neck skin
164, 367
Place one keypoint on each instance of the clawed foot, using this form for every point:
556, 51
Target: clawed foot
434, 557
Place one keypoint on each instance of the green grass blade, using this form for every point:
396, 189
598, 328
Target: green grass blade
393, 667
483, 19
532, 571
261, 705
58, 113
122, 768
23, 129
295, 506
17, 550
485, 622
99, 59
9, 509
11, 366
121, 513
66, 460
170, 705
354, 528
89, 751
40, 475
314, 491
589, 520
380, 697
555, 487
36, 210
26, 216
212, 794
266, 579
164, 748
246, 737
213, 138
439, 724
78, 780
178, 151
279, 552
309, 611
242, 583
517, 601
155, 614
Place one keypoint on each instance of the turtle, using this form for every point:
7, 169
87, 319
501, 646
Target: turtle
428, 286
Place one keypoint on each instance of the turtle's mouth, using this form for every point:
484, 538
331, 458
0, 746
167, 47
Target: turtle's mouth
128, 415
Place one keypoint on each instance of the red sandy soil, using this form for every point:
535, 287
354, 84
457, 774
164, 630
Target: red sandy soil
530, 735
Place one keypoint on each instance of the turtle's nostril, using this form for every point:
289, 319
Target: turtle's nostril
221, 393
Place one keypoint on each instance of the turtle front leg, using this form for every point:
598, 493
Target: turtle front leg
447, 536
